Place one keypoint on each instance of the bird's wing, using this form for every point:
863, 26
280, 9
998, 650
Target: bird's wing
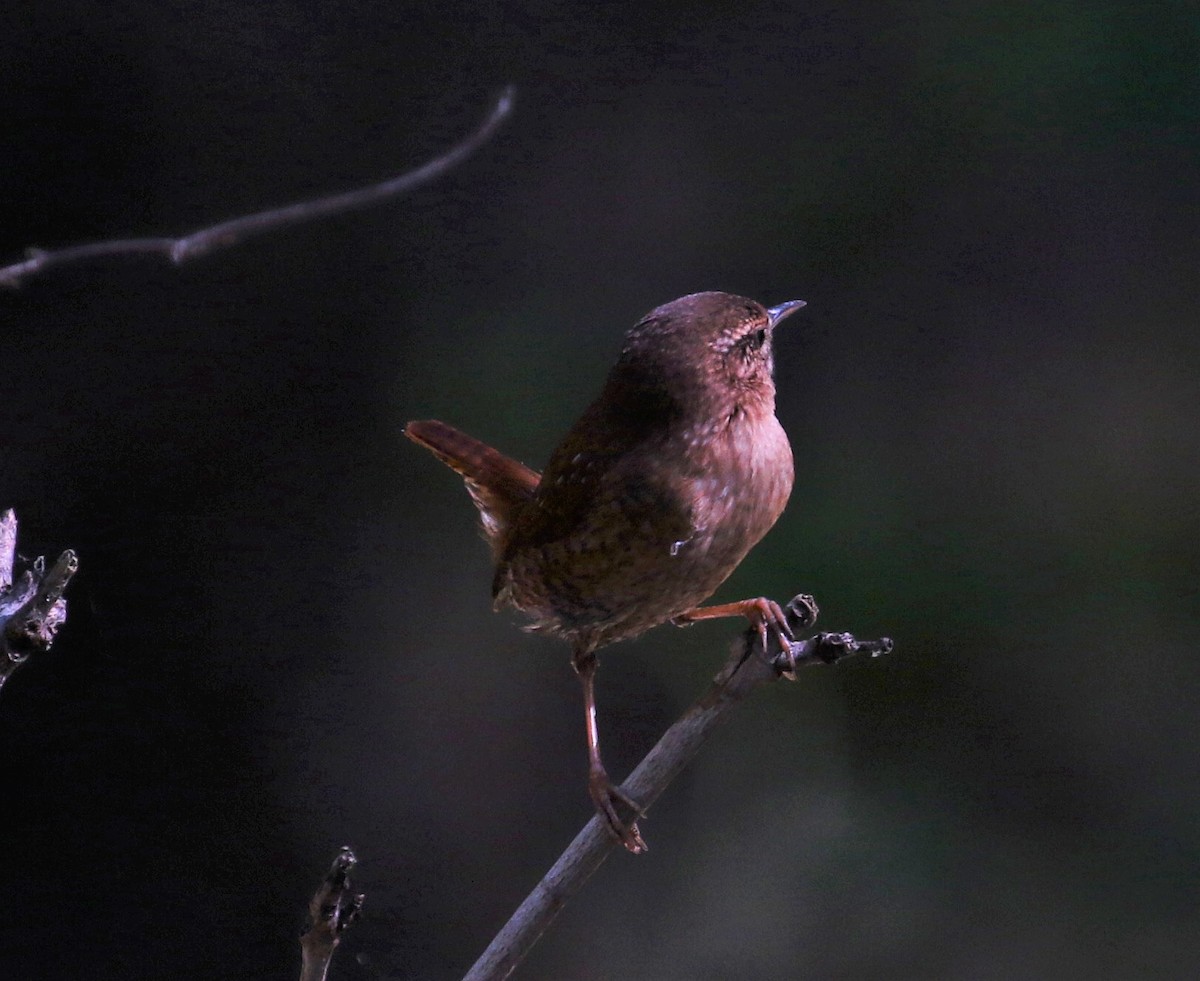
598, 475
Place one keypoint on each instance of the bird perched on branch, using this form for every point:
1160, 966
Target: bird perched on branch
654, 496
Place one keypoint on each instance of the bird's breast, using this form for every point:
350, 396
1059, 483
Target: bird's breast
738, 482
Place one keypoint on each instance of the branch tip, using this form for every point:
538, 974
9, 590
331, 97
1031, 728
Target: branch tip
506, 101
802, 611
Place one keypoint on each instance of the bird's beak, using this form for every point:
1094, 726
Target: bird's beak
776, 314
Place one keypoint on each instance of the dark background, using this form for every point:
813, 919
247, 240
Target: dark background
280, 640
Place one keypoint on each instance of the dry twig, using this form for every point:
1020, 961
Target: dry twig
32, 607
331, 910
227, 233
747, 668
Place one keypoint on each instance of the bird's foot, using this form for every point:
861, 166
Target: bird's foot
606, 795
765, 614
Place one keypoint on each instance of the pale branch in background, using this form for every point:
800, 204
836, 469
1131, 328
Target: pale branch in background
331, 910
236, 230
747, 668
32, 607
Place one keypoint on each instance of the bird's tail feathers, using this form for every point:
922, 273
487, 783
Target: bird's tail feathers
498, 484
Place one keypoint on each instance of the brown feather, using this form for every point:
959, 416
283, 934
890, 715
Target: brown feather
498, 484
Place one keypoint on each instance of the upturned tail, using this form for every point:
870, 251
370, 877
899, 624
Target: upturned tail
498, 484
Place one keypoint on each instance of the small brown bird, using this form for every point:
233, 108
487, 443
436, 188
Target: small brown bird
651, 500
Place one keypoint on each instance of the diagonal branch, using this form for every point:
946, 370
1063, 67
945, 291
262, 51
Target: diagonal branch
227, 233
746, 669
32, 607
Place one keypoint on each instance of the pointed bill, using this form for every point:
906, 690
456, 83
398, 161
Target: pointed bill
783, 310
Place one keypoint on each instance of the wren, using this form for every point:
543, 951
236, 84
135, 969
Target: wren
650, 501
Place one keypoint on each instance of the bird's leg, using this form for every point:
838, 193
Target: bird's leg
762, 613
603, 791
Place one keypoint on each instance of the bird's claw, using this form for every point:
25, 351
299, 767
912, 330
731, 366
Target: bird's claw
605, 794
766, 615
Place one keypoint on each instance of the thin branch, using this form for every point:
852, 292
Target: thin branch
331, 910
236, 230
746, 669
32, 607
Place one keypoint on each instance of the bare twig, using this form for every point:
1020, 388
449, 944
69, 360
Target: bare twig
32, 607
236, 230
746, 669
331, 910
8, 548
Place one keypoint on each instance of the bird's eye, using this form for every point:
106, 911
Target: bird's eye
757, 339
